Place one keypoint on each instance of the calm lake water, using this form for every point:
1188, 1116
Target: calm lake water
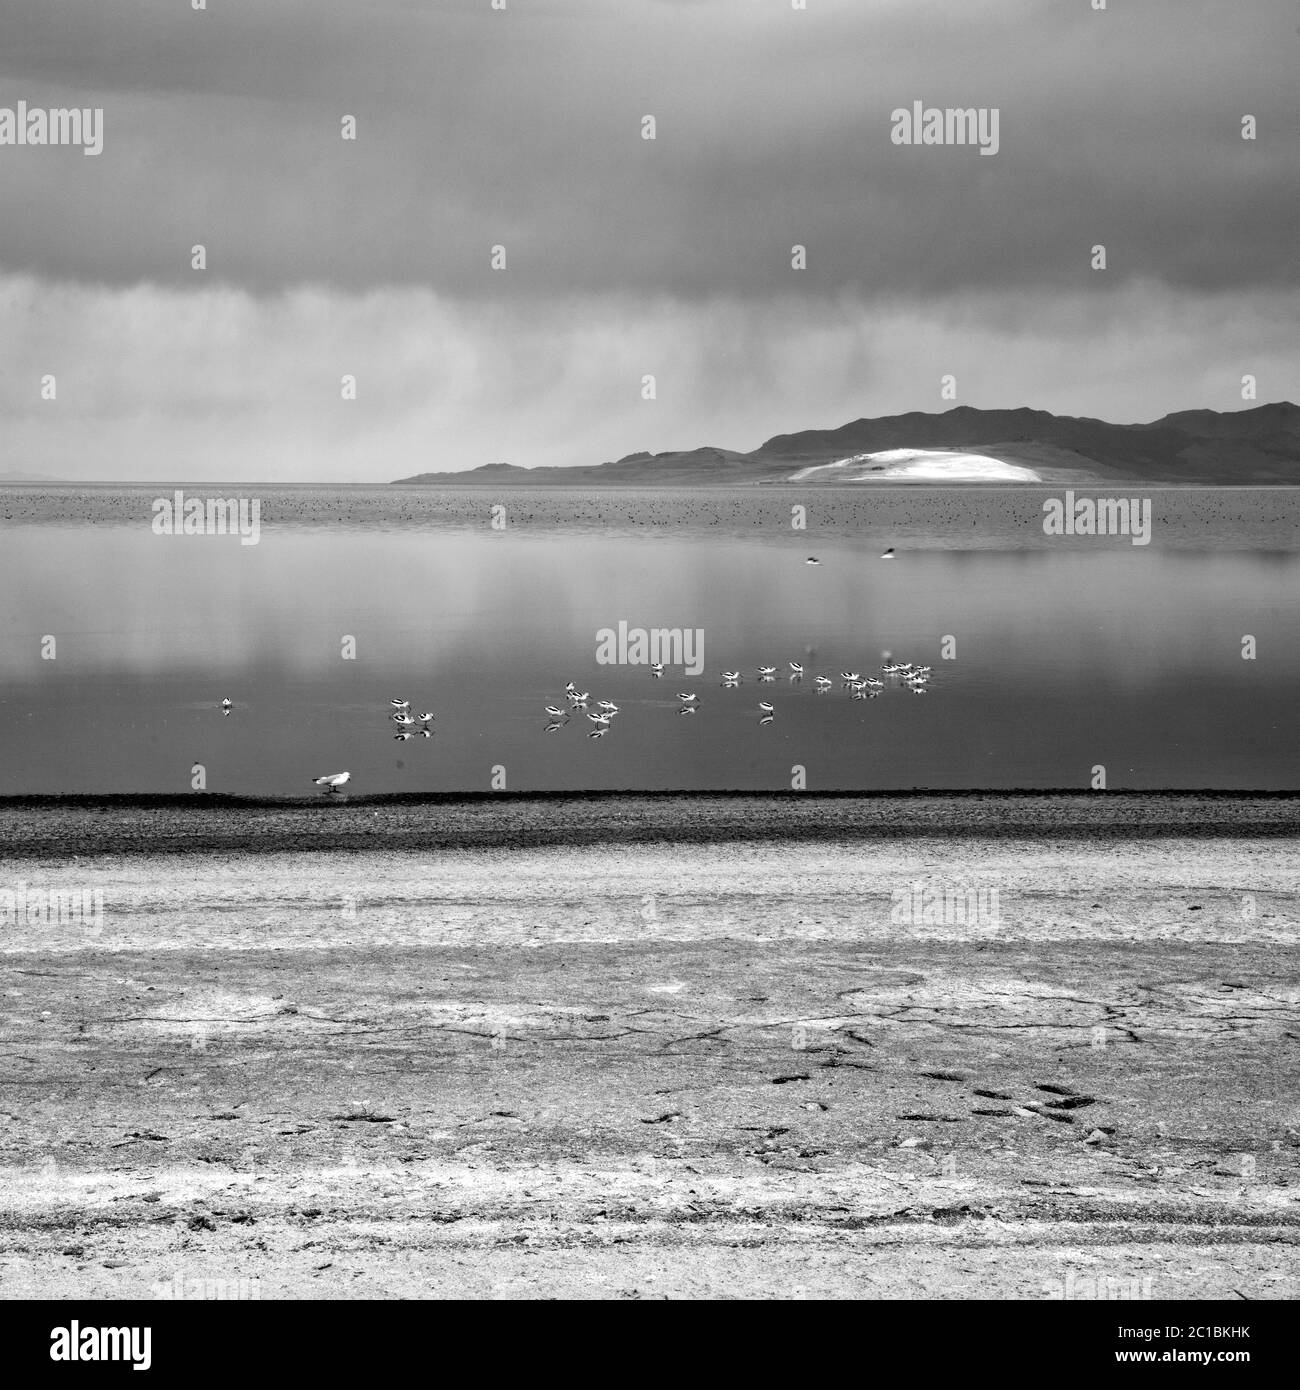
1048, 659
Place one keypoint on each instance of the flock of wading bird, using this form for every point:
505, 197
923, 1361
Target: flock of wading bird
904, 675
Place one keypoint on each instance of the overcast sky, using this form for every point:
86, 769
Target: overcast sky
627, 257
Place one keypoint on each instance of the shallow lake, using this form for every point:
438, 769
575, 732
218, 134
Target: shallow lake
1046, 661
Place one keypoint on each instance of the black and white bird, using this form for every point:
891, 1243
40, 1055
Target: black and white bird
889, 554
332, 781
226, 706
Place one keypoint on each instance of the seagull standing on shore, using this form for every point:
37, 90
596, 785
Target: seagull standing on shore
332, 781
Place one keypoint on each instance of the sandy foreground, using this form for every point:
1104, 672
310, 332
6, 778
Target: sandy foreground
647, 1048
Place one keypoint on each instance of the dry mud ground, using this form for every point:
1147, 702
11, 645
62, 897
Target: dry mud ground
653, 1047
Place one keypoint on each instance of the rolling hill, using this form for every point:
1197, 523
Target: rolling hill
1259, 446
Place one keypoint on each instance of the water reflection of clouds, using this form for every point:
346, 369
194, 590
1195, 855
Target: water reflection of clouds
1121, 657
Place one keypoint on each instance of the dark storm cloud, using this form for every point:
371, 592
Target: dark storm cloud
523, 128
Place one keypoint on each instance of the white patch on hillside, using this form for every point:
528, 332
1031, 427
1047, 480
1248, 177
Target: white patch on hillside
920, 465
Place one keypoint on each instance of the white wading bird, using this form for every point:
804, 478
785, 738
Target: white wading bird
656, 668
767, 670
796, 668
598, 733
766, 708
403, 719
333, 781
552, 710
400, 704
732, 676
687, 699
851, 675
226, 706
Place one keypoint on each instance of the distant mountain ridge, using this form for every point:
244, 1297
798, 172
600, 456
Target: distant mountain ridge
1259, 447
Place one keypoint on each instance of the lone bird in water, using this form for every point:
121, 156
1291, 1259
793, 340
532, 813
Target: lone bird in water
333, 781
812, 560
889, 554
226, 707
